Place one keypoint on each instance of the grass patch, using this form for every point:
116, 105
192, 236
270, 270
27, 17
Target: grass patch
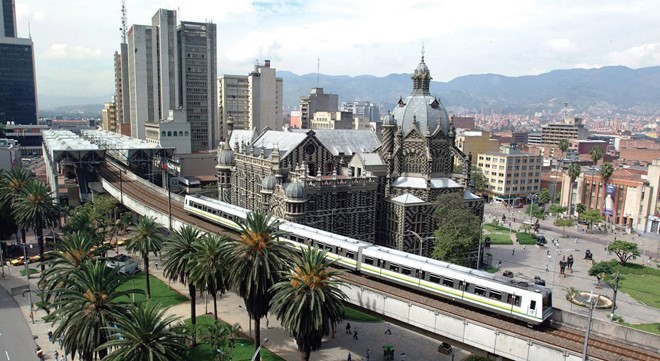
160, 292
353, 314
638, 287
525, 238
648, 327
242, 352
32, 271
491, 269
500, 238
495, 228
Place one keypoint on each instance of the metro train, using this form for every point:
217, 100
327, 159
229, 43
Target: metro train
523, 301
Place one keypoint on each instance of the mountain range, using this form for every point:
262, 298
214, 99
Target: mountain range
602, 91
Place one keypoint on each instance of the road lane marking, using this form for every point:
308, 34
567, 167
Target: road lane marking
7, 353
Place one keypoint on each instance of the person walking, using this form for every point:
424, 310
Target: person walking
499, 264
59, 341
349, 358
355, 333
348, 328
403, 356
368, 356
570, 263
576, 240
50, 336
389, 330
57, 356
513, 251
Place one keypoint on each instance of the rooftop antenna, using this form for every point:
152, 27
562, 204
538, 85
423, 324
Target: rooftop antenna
318, 65
29, 31
124, 22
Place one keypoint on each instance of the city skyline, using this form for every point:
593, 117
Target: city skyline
74, 46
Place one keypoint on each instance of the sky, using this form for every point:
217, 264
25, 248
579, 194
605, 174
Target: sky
75, 39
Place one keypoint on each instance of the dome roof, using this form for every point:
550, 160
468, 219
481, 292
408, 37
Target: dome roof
226, 157
295, 190
269, 182
424, 109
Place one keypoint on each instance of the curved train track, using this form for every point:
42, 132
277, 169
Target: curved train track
563, 337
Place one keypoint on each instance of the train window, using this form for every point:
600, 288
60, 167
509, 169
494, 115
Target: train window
405, 271
479, 291
435, 279
461, 285
448, 282
532, 305
495, 296
368, 260
350, 255
394, 267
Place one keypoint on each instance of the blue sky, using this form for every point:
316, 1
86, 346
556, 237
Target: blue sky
75, 39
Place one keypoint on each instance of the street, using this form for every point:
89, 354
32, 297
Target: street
16, 342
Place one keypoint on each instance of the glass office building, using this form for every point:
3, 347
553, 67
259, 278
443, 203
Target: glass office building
18, 102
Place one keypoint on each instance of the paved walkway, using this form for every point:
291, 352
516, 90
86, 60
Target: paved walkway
530, 261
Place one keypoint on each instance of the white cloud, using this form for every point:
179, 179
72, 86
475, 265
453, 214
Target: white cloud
560, 45
63, 51
637, 57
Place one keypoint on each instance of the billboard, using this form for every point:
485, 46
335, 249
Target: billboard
610, 196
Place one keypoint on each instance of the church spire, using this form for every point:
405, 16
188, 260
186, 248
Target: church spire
421, 77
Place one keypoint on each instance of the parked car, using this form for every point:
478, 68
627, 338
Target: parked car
126, 264
445, 348
37, 258
541, 241
18, 261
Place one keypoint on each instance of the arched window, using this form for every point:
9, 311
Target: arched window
169, 133
180, 133
186, 133
162, 134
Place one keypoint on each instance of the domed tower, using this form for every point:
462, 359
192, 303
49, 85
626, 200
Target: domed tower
268, 185
225, 165
295, 201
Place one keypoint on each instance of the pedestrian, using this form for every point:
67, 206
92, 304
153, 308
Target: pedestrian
50, 336
499, 264
403, 356
389, 330
570, 263
63, 357
349, 358
57, 355
633, 238
59, 341
513, 251
348, 328
355, 333
368, 355
576, 240
562, 267
267, 323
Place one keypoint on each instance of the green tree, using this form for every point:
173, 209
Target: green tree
596, 154
563, 146
11, 188
35, 209
624, 250
592, 216
556, 210
535, 211
607, 272
478, 180
526, 227
89, 303
8, 224
221, 336
458, 230
580, 209
145, 333
563, 223
544, 196
208, 266
147, 239
178, 253
255, 262
81, 220
574, 171
606, 171
308, 301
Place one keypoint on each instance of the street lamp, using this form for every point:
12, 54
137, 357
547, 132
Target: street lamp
592, 304
421, 240
256, 353
27, 276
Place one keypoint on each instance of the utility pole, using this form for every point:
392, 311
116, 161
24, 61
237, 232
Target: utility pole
588, 330
616, 290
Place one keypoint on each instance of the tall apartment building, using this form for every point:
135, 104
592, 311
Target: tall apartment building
233, 100
165, 62
266, 98
476, 142
197, 74
140, 78
316, 101
570, 128
18, 89
511, 175
109, 116
364, 110
8, 19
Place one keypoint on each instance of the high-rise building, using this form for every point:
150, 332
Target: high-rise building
571, 128
197, 81
109, 116
512, 174
18, 89
266, 93
316, 101
233, 100
165, 62
140, 78
8, 19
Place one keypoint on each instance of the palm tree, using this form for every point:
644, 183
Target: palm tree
255, 262
88, 303
11, 187
221, 336
145, 333
35, 209
596, 155
606, 171
178, 252
308, 302
208, 266
563, 147
68, 255
574, 171
147, 239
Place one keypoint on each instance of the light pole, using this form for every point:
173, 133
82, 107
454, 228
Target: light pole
27, 276
592, 303
421, 241
256, 353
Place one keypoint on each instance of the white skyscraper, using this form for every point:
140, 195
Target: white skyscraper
266, 92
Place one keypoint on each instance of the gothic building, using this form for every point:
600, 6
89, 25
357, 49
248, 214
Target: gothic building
348, 181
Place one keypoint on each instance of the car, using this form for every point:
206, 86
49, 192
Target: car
445, 348
124, 263
541, 241
18, 261
37, 258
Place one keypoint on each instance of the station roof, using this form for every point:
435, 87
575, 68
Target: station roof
124, 148
64, 144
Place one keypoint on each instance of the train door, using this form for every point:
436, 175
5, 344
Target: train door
532, 308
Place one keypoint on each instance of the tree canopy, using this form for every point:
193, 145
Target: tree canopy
544, 196
624, 250
592, 216
458, 230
